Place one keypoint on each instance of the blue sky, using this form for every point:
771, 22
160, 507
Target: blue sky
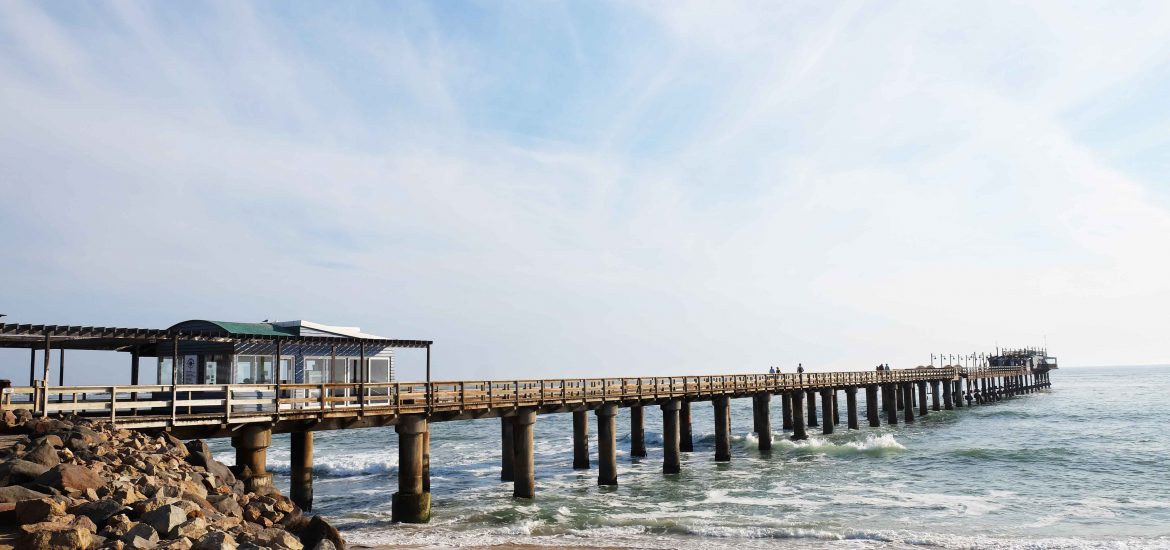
552, 189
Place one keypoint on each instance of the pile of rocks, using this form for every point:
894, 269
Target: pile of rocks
76, 483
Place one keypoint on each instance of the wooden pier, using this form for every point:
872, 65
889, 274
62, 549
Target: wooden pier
251, 413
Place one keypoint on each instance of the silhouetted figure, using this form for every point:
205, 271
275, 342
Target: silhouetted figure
800, 368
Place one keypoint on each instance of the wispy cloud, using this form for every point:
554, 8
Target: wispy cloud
697, 188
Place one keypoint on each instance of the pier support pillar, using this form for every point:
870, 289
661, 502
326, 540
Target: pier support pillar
871, 406
251, 444
637, 432
301, 474
797, 400
836, 408
786, 411
580, 440
670, 432
812, 408
524, 486
506, 449
890, 392
908, 399
606, 445
948, 389
722, 428
903, 398
763, 420
935, 387
685, 443
412, 502
851, 407
827, 411
922, 405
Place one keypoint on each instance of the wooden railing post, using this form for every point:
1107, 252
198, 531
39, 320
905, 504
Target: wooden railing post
113, 403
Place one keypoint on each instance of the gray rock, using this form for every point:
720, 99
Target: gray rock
140, 532
216, 540
99, 510
20, 471
17, 493
165, 519
44, 454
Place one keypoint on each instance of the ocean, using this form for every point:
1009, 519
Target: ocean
1081, 465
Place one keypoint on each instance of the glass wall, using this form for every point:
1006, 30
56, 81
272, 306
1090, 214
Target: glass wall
253, 369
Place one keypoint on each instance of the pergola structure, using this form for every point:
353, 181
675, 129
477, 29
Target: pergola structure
140, 342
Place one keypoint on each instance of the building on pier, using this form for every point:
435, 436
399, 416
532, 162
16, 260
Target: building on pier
238, 360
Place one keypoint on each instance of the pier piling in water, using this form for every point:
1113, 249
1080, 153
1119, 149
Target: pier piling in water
871, 406
786, 411
891, 393
606, 445
524, 486
506, 449
908, 398
812, 408
935, 398
851, 405
580, 440
412, 503
827, 411
670, 434
722, 428
763, 419
637, 432
922, 405
301, 469
797, 400
685, 443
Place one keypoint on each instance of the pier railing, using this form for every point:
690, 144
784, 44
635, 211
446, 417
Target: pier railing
191, 405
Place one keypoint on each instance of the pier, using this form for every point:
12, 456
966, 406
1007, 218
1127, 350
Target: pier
250, 413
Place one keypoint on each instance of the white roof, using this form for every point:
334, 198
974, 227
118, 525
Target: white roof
351, 332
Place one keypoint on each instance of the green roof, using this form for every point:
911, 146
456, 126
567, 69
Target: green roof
240, 329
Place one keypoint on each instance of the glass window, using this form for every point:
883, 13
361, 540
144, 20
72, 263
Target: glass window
338, 374
315, 370
164, 370
244, 367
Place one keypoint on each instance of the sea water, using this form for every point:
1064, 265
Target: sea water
1085, 464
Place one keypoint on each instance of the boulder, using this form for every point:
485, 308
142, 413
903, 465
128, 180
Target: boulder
226, 504
194, 529
17, 493
200, 455
177, 544
39, 510
20, 471
278, 538
58, 538
71, 478
53, 440
318, 530
216, 540
325, 544
99, 510
166, 518
140, 535
44, 454
117, 526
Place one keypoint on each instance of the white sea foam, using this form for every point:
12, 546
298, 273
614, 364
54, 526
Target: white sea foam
874, 445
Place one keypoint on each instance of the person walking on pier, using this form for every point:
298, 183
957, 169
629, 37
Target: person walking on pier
771, 370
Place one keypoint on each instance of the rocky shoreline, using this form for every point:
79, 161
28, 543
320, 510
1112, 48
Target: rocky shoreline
81, 484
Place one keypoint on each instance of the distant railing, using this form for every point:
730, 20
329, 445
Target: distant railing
164, 405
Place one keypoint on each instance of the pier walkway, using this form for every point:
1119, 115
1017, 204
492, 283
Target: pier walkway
251, 413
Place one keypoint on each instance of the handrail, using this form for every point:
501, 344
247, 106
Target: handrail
235, 403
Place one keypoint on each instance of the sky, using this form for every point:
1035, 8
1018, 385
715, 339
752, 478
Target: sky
551, 189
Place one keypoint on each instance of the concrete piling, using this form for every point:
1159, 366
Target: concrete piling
301, 471
812, 407
786, 411
524, 486
851, 406
922, 406
637, 432
606, 445
722, 428
670, 434
412, 503
580, 440
506, 449
797, 400
948, 394
836, 408
935, 387
908, 399
827, 411
871, 406
251, 443
763, 420
891, 393
685, 443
